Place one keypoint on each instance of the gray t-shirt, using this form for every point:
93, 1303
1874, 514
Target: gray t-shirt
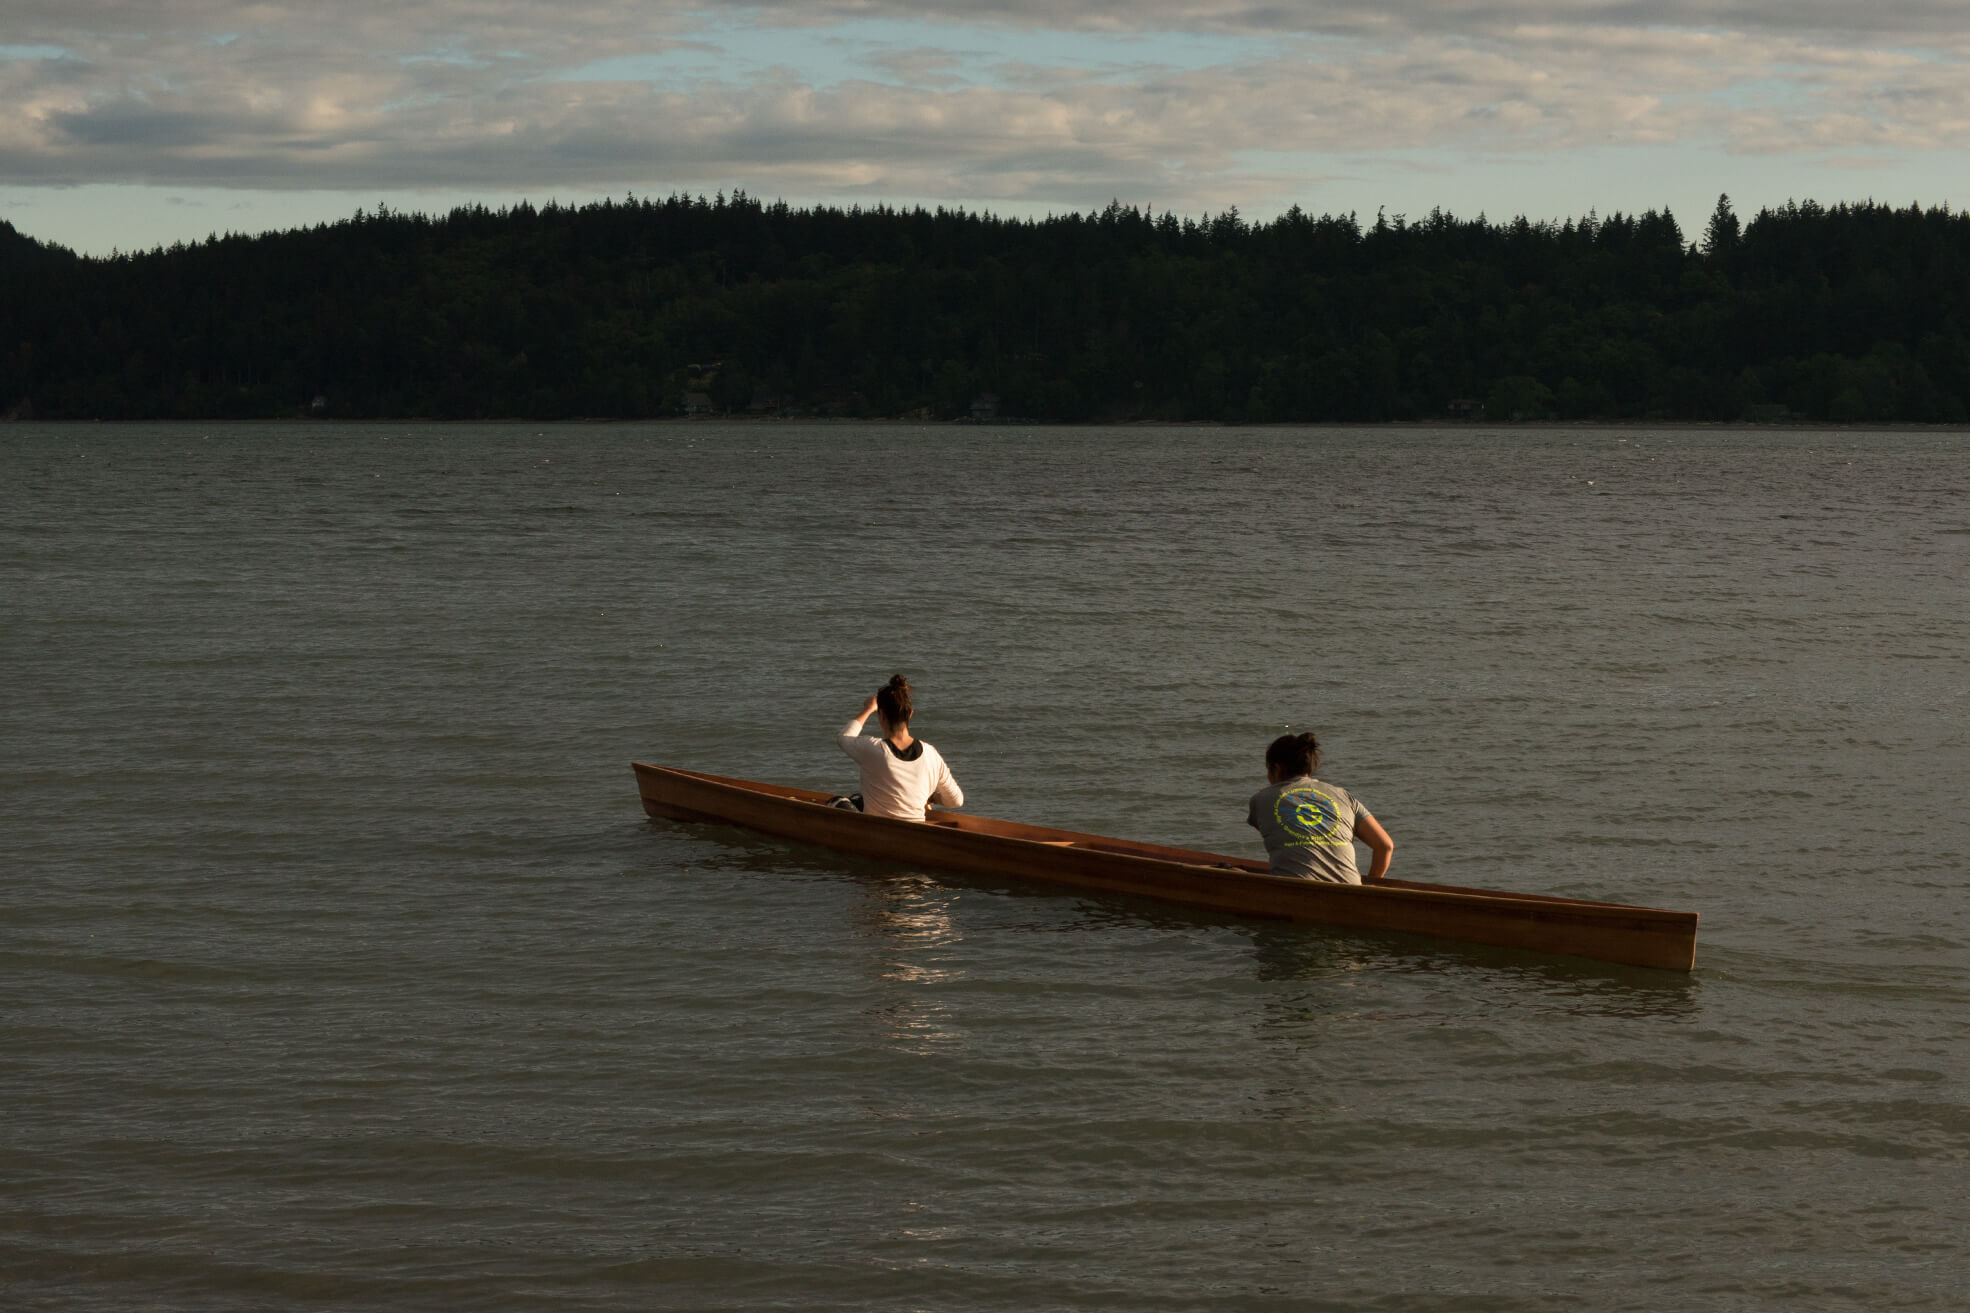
1308, 829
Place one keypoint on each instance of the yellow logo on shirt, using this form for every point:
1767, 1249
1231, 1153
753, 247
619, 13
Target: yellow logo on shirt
1309, 818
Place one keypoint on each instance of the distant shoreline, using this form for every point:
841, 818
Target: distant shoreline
830, 421
743, 312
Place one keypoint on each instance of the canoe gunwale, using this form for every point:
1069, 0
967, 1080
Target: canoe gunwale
1616, 932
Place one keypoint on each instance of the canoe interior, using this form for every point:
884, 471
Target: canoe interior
962, 841
971, 824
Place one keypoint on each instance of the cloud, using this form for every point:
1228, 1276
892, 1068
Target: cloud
922, 67
975, 102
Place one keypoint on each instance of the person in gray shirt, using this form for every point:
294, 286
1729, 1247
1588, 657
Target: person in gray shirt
1310, 827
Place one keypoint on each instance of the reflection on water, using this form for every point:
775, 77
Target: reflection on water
1304, 953
910, 924
1558, 985
1512, 978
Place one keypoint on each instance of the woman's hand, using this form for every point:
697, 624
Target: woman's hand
854, 726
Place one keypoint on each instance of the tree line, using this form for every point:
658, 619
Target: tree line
644, 307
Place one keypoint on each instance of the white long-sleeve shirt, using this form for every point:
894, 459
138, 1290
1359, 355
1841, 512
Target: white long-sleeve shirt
894, 787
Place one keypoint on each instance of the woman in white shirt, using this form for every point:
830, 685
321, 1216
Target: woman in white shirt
901, 775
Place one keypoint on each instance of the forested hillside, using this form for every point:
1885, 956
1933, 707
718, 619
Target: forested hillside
645, 308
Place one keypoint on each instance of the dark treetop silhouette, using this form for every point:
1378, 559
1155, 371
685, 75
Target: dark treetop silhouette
1856, 313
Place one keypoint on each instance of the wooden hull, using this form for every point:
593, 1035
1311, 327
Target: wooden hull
980, 845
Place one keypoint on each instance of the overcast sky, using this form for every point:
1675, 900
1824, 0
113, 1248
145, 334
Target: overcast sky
132, 124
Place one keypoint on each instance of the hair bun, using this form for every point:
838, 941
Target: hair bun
893, 700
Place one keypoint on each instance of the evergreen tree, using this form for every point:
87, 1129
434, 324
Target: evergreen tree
1723, 233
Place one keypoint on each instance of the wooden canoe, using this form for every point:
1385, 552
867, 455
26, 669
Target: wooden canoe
957, 841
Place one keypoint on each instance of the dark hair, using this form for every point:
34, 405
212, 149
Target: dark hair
1294, 754
893, 700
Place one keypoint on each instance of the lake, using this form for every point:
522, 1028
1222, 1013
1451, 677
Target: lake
341, 969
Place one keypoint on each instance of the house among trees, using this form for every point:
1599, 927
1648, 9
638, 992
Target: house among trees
985, 406
699, 403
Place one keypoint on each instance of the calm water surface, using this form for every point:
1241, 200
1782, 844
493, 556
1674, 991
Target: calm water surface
339, 968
